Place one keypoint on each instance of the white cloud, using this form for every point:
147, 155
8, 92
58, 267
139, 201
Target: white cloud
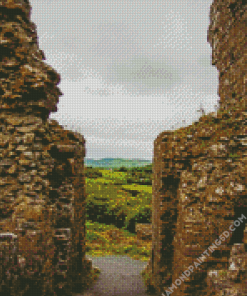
129, 69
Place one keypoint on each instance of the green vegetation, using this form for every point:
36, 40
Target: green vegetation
234, 156
117, 199
222, 273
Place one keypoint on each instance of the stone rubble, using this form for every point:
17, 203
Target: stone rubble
143, 231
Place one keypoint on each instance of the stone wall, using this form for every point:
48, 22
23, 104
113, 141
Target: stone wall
42, 183
233, 280
200, 171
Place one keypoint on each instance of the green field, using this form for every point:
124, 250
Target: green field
116, 201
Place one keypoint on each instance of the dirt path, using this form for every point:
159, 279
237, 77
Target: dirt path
120, 276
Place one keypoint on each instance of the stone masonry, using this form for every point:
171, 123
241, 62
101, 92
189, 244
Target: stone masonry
42, 183
200, 174
232, 280
199, 186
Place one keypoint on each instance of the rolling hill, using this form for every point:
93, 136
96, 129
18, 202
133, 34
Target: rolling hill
115, 163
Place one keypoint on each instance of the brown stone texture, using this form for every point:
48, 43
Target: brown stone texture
144, 231
42, 182
200, 172
232, 281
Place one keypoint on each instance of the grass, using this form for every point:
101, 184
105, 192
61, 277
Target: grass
106, 193
103, 240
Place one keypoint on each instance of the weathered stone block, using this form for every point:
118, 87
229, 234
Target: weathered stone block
144, 231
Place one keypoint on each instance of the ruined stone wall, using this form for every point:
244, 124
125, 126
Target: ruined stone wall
231, 280
200, 171
42, 183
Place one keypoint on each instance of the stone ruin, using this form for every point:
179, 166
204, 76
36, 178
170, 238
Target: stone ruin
42, 182
200, 177
199, 186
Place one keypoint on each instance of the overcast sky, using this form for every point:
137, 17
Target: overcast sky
130, 69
